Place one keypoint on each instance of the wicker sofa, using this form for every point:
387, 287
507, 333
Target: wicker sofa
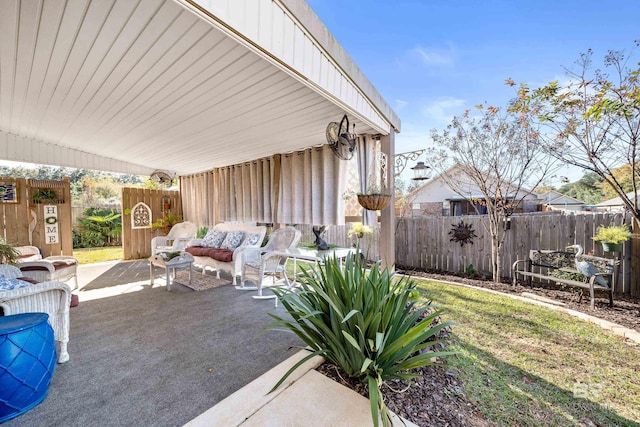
53, 298
228, 260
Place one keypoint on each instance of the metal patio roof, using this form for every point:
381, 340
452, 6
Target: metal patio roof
134, 86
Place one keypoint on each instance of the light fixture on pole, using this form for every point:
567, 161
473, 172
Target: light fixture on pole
420, 170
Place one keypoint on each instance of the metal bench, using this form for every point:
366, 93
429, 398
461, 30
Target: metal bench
548, 261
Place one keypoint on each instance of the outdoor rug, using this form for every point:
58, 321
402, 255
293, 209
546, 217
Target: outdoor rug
199, 281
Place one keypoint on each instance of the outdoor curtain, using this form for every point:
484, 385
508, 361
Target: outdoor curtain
312, 183
246, 191
366, 152
198, 198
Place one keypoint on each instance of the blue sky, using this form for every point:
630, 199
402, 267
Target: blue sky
431, 59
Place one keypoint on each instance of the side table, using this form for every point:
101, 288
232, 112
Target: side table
27, 362
182, 261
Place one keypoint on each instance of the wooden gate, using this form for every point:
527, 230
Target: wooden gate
136, 242
37, 212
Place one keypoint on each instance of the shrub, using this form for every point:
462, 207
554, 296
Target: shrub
367, 322
613, 234
98, 228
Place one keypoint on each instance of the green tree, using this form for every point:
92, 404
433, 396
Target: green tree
497, 153
593, 120
624, 176
586, 189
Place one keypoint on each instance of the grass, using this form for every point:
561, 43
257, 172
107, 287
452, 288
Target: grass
92, 255
530, 366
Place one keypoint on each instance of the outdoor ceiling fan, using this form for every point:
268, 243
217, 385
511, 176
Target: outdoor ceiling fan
163, 178
342, 143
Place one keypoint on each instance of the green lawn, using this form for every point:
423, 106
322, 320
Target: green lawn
527, 365
91, 255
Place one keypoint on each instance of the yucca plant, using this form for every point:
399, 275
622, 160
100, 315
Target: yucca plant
368, 322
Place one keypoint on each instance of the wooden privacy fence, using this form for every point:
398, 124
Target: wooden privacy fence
424, 243
136, 242
37, 212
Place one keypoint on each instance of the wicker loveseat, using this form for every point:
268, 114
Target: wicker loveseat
216, 258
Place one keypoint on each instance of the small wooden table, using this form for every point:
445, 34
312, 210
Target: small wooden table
183, 261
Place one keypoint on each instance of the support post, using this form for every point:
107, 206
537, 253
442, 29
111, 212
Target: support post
387, 215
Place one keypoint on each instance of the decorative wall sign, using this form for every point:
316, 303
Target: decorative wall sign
8, 192
50, 224
141, 216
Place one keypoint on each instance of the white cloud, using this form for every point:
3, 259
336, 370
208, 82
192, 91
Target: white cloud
441, 111
400, 104
433, 56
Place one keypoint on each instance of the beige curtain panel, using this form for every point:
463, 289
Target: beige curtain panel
247, 191
313, 177
199, 197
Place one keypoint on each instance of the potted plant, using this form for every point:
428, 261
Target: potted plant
612, 237
376, 198
166, 222
8, 254
45, 195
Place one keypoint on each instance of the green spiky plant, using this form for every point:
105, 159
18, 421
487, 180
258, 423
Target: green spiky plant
8, 253
368, 322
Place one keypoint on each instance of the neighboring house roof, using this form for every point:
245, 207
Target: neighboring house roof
616, 201
474, 192
553, 197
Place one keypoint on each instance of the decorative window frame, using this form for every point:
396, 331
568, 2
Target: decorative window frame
141, 216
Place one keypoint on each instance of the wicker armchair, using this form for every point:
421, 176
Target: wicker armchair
177, 239
262, 261
52, 298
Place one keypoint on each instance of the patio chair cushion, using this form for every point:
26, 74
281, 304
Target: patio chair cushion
214, 238
222, 255
57, 265
232, 240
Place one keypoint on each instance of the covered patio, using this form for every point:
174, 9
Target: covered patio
232, 97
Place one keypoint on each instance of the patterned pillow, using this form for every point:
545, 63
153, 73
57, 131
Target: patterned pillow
251, 240
214, 238
11, 284
232, 240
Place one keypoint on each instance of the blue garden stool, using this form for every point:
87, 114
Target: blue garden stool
27, 362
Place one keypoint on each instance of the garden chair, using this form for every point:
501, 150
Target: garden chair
177, 239
262, 261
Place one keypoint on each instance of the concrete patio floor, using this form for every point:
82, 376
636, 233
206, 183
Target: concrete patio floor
307, 398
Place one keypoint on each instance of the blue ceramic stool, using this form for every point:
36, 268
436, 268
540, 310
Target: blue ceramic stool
27, 361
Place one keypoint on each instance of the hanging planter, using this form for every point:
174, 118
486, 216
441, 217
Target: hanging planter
611, 247
374, 202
